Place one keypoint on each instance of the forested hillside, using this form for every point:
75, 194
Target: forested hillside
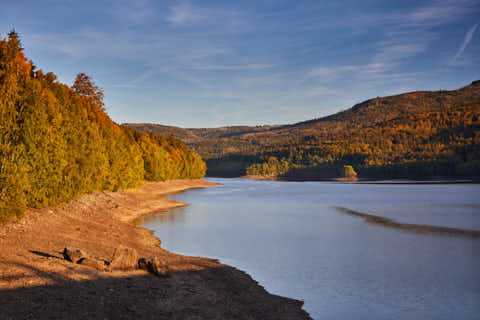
416, 134
57, 142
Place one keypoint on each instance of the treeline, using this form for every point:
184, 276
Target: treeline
425, 144
410, 135
57, 142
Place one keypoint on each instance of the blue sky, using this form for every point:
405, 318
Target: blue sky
216, 63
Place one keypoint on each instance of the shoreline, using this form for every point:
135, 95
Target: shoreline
359, 180
36, 280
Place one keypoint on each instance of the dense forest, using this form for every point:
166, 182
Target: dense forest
416, 134
57, 142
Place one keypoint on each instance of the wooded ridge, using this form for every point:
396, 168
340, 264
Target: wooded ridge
415, 134
57, 142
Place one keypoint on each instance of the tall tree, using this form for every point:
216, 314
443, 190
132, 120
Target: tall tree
85, 86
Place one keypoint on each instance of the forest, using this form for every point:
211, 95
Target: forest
57, 142
411, 135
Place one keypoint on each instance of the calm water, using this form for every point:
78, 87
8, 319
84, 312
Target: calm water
291, 238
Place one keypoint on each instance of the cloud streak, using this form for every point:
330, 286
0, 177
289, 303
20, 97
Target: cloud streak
182, 13
466, 41
406, 36
439, 12
234, 67
330, 71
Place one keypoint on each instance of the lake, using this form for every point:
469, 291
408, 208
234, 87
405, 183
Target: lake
320, 242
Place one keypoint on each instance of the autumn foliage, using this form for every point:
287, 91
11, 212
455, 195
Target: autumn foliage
57, 142
410, 135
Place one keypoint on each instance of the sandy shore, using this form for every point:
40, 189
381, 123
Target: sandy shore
37, 283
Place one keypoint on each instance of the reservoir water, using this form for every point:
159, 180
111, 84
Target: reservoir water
324, 243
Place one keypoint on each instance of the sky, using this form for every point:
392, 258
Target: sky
205, 63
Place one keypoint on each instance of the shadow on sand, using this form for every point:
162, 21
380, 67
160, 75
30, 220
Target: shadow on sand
211, 293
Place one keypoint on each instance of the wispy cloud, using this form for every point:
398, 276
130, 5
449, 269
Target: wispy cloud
466, 41
398, 50
234, 67
182, 13
330, 71
137, 80
77, 44
436, 13
388, 55
404, 35
195, 53
439, 12
320, 81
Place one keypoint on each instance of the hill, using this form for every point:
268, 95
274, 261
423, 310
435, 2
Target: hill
185, 135
415, 134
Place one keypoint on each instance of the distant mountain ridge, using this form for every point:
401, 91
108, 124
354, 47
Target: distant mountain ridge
426, 115
186, 135
198, 134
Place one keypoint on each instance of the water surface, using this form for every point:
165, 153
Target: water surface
298, 240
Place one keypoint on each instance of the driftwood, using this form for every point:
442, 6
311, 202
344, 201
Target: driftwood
81, 257
74, 255
94, 263
123, 258
154, 265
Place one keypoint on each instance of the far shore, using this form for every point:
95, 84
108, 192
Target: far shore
385, 180
35, 279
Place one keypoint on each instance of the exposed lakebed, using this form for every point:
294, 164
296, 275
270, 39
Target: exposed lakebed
350, 251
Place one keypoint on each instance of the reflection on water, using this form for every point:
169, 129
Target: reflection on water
291, 238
